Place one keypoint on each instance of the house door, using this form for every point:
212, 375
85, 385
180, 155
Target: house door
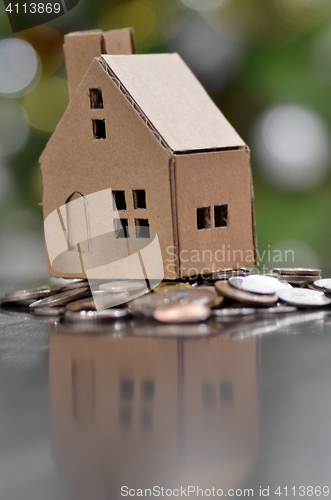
78, 225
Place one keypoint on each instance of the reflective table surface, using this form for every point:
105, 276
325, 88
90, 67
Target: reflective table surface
139, 409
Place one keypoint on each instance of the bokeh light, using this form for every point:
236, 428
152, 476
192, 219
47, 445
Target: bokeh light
47, 42
138, 13
203, 5
46, 104
211, 55
14, 129
292, 146
19, 67
7, 186
22, 249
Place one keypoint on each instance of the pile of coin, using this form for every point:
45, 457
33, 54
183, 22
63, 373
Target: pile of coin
222, 296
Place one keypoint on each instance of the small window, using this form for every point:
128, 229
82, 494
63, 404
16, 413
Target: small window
121, 228
126, 389
221, 215
146, 419
139, 198
208, 395
203, 218
119, 200
226, 393
125, 417
147, 390
99, 129
96, 100
142, 228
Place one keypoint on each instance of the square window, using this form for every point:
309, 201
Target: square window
203, 218
99, 129
146, 419
121, 228
126, 389
125, 417
139, 198
208, 395
96, 100
226, 393
119, 200
221, 215
142, 228
147, 390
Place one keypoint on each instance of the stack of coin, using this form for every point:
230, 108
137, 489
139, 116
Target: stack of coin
297, 276
236, 297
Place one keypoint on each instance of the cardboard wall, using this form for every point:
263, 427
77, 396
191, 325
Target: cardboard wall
129, 158
81, 47
209, 180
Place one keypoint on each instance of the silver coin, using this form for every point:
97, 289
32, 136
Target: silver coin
105, 314
304, 297
297, 271
182, 313
297, 280
233, 312
49, 311
242, 296
274, 283
251, 286
75, 285
61, 298
324, 284
33, 294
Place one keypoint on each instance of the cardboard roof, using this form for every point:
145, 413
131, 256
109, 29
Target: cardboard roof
174, 101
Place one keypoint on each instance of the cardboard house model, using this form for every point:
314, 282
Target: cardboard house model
143, 126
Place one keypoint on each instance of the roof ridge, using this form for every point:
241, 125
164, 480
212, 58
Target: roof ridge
134, 104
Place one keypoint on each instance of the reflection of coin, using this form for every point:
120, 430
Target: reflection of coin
276, 310
304, 297
230, 292
182, 313
233, 312
105, 314
61, 298
49, 311
124, 286
251, 286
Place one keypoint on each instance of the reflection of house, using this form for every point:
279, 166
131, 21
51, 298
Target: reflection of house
139, 412
144, 127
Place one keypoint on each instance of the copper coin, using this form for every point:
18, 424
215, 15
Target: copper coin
249, 298
182, 313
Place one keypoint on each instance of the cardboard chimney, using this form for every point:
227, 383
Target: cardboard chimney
143, 127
